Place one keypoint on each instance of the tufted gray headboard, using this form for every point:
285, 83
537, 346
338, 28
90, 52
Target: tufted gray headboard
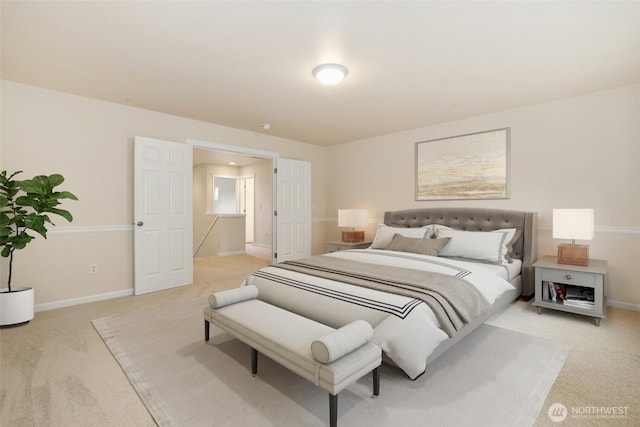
479, 219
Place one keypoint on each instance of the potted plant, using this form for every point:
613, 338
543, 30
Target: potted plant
25, 207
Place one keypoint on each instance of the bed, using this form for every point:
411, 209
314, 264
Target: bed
430, 278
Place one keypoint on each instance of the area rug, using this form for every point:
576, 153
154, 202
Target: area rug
494, 377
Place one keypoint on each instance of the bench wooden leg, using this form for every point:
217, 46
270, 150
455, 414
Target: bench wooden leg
254, 362
206, 330
333, 410
376, 381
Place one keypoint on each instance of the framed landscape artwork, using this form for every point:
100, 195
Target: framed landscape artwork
472, 166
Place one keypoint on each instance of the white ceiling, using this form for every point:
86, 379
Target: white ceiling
242, 64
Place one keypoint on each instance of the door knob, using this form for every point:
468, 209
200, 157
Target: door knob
139, 223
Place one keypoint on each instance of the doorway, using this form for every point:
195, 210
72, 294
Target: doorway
235, 195
289, 203
250, 173
293, 204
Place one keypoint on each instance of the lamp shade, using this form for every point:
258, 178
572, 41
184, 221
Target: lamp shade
575, 224
353, 218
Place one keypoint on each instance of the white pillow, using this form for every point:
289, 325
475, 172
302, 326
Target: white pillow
513, 234
385, 234
489, 247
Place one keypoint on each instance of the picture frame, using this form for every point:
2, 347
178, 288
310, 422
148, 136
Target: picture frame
464, 167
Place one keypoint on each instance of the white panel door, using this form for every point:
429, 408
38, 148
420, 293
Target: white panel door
293, 219
163, 220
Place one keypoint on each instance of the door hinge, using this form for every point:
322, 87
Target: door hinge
275, 213
275, 255
275, 170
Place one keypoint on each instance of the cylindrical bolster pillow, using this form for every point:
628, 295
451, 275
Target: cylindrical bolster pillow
222, 298
343, 341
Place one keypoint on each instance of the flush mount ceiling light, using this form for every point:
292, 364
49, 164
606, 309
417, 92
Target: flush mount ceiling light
330, 74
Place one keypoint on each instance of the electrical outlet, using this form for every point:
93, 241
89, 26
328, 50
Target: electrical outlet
93, 268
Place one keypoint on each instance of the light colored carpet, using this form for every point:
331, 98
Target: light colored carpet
57, 371
494, 377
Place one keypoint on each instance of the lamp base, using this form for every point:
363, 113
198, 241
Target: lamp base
573, 254
353, 236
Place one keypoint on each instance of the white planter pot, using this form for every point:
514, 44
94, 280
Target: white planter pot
16, 307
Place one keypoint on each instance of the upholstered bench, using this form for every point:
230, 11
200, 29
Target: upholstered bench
332, 359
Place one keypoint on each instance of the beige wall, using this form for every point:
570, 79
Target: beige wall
577, 152
226, 237
91, 143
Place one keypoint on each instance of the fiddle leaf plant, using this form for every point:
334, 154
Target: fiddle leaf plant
25, 207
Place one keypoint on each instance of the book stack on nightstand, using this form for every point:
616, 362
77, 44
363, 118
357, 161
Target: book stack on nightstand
571, 288
569, 295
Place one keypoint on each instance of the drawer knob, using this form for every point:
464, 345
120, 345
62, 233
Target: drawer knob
567, 277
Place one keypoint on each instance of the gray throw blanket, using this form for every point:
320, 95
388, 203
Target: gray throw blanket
454, 301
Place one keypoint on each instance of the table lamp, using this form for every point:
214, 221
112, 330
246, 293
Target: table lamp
574, 224
352, 218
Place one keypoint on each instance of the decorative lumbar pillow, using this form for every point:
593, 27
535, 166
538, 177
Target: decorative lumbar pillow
488, 247
385, 234
342, 341
417, 246
232, 296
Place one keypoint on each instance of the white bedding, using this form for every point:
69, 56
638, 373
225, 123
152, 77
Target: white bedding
405, 328
506, 271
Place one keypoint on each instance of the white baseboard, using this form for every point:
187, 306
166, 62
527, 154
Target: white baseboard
262, 245
82, 300
625, 305
231, 253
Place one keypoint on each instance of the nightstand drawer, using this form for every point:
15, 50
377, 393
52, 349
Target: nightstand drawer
568, 277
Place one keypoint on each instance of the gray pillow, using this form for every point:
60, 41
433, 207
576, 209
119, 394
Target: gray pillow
417, 246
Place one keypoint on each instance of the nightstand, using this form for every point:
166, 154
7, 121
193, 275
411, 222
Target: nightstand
341, 246
571, 288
